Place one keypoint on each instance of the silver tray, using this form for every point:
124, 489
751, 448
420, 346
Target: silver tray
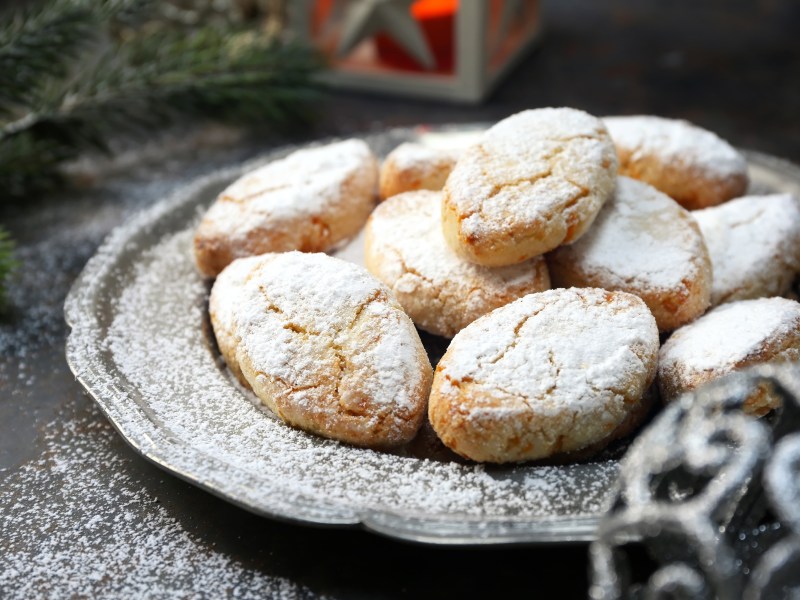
141, 346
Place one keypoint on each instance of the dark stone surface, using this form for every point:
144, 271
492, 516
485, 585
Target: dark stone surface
731, 66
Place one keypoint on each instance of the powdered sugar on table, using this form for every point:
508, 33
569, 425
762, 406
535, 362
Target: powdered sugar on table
144, 552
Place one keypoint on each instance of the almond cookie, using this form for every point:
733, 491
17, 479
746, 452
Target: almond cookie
690, 164
412, 167
731, 337
326, 347
754, 243
441, 292
644, 243
309, 201
553, 372
534, 181
222, 303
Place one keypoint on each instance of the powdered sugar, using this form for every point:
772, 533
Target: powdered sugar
677, 142
306, 183
412, 156
298, 318
104, 536
754, 243
165, 388
449, 139
411, 255
730, 333
219, 435
531, 169
641, 239
565, 351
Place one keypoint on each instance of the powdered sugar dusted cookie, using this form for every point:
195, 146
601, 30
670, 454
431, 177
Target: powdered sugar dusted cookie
731, 337
412, 167
441, 292
644, 243
534, 181
309, 201
326, 347
692, 165
552, 372
222, 307
754, 243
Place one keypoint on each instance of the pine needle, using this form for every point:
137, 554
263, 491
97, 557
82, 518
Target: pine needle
41, 43
67, 84
76, 73
7, 265
28, 165
169, 76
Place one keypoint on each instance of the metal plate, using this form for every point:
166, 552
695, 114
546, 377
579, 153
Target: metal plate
141, 346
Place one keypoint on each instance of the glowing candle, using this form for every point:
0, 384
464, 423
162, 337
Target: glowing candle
437, 20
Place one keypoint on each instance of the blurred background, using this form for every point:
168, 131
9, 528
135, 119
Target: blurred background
80, 77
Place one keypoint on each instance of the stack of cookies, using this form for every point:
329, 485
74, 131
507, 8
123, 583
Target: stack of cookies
556, 251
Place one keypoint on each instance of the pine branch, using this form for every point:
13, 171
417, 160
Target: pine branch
133, 80
41, 43
28, 164
76, 73
7, 264
166, 76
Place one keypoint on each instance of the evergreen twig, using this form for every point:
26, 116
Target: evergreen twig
76, 73
38, 44
170, 75
42, 43
28, 165
7, 264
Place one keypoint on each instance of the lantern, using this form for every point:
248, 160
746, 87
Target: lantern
455, 50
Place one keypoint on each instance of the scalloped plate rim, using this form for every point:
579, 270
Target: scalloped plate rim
393, 524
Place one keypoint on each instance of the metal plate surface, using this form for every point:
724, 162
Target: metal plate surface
127, 319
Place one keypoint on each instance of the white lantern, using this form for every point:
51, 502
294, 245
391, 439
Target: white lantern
455, 50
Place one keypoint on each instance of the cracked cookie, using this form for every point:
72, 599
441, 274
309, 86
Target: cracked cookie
222, 309
324, 345
310, 200
553, 372
644, 243
728, 338
412, 167
441, 292
754, 243
688, 163
534, 181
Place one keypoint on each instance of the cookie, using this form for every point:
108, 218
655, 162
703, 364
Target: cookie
412, 167
644, 243
534, 181
553, 372
441, 292
731, 337
222, 306
688, 163
754, 243
325, 346
310, 201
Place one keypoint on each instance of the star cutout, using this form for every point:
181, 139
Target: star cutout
365, 18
